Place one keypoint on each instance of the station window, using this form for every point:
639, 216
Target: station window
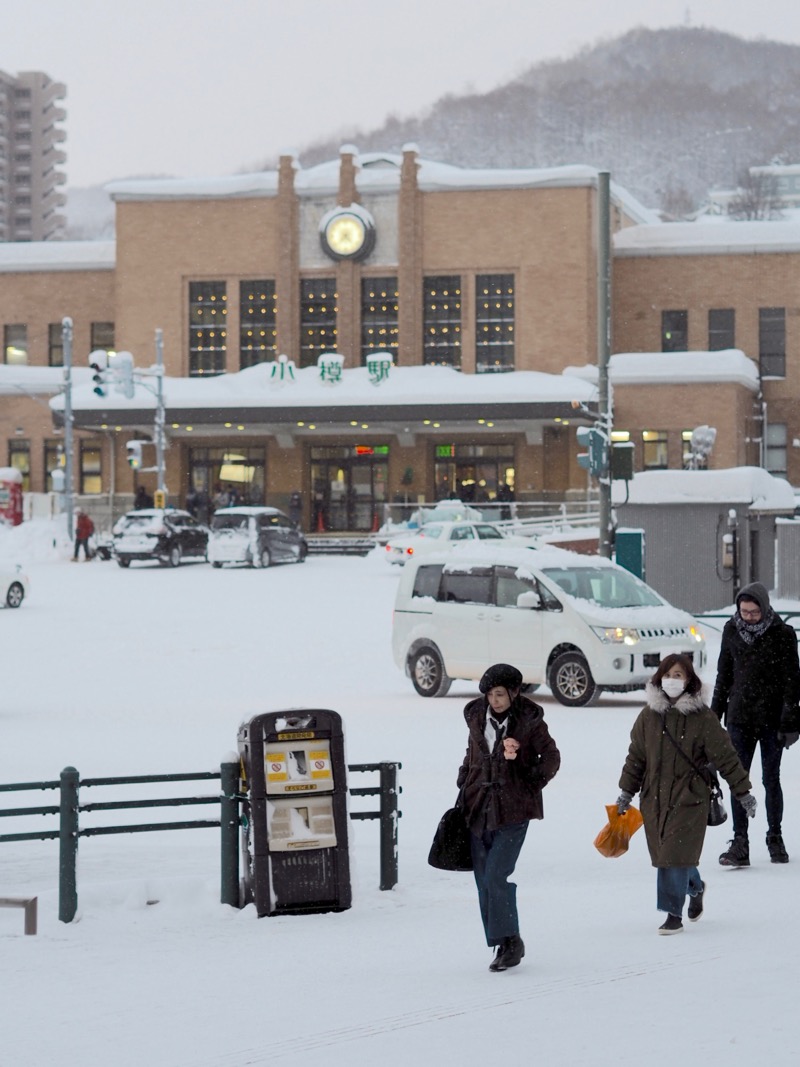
15, 343
55, 345
674, 331
19, 457
654, 450
379, 315
102, 336
91, 468
318, 308
208, 307
258, 335
775, 455
772, 342
441, 323
53, 460
494, 323
721, 329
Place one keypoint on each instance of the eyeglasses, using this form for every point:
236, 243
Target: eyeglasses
755, 615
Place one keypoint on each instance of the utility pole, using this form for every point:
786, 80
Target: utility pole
66, 341
160, 416
604, 350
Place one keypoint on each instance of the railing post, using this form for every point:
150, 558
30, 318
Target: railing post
388, 825
229, 833
68, 839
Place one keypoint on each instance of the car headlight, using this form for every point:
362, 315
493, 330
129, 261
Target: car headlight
697, 634
616, 635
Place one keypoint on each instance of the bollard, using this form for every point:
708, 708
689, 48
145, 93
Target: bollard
229, 833
68, 839
388, 825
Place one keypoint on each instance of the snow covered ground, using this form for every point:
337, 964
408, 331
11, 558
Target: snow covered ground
150, 670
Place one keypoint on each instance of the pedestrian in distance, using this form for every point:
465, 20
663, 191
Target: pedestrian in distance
84, 528
510, 758
673, 739
756, 695
142, 500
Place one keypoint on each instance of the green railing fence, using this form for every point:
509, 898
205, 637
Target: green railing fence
70, 807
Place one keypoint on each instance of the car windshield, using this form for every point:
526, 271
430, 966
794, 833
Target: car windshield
609, 587
138, 522
431, 531
229, 522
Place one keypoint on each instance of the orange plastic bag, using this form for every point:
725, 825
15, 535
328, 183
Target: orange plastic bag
615, 836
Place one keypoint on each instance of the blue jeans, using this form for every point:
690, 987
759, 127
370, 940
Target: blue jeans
672, 885
494, 857
771, 751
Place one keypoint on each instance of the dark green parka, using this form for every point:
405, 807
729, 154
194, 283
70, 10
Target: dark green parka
500, 792
674, 798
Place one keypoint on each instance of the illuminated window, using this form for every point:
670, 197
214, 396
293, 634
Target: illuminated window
654, 450
53, 460
15, 343
775, 454
91, 468
19, 457
494, 323
208, 328
318, 309
258, 335
441, 320
379, 314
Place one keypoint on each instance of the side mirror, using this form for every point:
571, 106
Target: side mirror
529, 600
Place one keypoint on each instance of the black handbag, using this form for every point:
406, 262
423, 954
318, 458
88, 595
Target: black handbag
451, 849
717, 813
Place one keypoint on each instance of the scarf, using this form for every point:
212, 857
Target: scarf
749, 631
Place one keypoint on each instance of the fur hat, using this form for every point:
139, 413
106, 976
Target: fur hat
501, 674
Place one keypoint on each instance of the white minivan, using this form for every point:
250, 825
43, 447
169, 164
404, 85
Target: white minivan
577, 623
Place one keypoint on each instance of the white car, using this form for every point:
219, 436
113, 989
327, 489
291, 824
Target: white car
14, 586
440, 536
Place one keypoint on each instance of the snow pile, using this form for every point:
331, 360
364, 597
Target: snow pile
736, 485
35, 541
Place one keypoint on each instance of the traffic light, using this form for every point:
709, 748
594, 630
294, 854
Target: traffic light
98, 361
595, 458
134, 449
122, 367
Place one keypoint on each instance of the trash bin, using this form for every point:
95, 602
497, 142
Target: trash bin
294, 826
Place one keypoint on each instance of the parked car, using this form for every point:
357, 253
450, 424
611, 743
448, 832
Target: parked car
258, 536
577, 623
166, 534
14, 586
439, 536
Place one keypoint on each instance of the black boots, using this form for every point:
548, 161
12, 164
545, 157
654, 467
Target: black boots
695, 909
509, 953
777, 850
672, 925
737, 854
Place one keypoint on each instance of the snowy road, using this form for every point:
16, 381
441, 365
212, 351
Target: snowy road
150, 671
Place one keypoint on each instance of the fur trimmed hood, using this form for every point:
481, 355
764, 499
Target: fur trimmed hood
686, 704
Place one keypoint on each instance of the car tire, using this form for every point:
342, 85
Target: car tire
216, 564
122, 562
264, 558
571, 681
301, 555
428, 674
174, 558
15, 595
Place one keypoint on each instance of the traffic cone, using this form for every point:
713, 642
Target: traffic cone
375, 524
320, 522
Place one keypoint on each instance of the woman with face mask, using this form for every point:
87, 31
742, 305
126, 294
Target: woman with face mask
673, 739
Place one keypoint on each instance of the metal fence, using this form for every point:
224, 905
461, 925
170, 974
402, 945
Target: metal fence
69, 831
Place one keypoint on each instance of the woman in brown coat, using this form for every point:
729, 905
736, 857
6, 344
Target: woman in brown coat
510, 758
674, 794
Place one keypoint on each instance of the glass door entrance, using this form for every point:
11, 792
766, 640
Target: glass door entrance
348, 487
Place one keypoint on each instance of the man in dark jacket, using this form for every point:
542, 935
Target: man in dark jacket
757, 692
510, 758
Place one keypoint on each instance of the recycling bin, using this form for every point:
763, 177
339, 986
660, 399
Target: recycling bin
294, 812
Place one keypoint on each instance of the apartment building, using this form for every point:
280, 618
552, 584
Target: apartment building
31, 157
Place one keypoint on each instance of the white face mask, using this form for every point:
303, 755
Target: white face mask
673, 687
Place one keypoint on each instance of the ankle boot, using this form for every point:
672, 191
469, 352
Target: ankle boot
512, 951
777, 849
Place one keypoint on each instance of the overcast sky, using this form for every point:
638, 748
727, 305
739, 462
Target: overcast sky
191, 87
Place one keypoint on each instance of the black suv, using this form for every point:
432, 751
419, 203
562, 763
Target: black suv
165, 534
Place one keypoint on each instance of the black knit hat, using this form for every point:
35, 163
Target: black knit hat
501, 674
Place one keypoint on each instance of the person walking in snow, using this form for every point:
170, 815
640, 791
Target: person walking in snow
510, 758
84, 528
756, 693
673, 739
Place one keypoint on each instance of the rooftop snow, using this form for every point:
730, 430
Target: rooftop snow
410, 386
736, 485
32, 380
656, 368
18, 256
691, 239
